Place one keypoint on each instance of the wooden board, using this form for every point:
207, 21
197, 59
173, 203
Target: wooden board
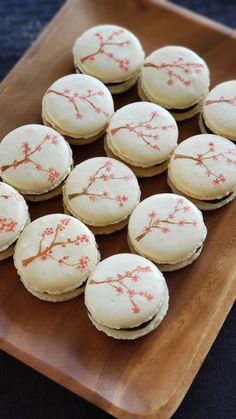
148, 377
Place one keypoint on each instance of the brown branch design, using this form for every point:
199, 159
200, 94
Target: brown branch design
73, 97
222, 99
186, 68
108, 41
121, 288
46, 252
103, 174
27, 158
164, 224
202, 160
145, 131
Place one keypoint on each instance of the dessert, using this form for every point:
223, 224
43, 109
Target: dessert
111, 54
142, 135
167, 229
203, 168
177, 79
102, 193
35, 160
54, 256
126, 296
79, 107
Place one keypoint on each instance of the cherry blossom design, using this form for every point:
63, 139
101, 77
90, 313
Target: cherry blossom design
222, 99
202, 160
28, 152
7, 225
173, 69
45, 251
145, 131
108, 41
74, 97
104, 174
164, 224
121, 288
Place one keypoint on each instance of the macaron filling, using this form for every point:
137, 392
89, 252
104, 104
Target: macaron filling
204, 204
140, 171
114, 83
177, 110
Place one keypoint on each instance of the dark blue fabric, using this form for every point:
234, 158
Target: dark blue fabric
23, 392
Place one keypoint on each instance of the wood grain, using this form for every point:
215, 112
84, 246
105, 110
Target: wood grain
149, 377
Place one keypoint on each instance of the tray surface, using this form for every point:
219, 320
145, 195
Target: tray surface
148, 377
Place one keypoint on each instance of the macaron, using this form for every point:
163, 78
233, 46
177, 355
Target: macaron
176, 78
167, 229
54, 257
203, 168
102, 193
142, 135
79, 107
35, 160
219, 111
110, 53
14, 216
126, 296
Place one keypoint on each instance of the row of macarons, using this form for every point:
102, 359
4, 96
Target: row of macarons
173, 77
111, 59
37, 161
80, 107
126, 295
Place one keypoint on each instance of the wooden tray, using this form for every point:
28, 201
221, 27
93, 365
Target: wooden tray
148, 377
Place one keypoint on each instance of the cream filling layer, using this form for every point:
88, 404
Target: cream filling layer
49, 189
215, 129
141, 89
126, 77
133, 334
167, 262
204, 205
190, 193
129, 160
48, 120
90, 222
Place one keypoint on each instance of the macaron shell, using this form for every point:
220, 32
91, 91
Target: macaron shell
204, 205
55, 254
79, 105
124, 291
142, 133
101, 191
34, 159
204, 167
141, 172
166, 228
175, 77
219, 110
13, 215
136, 333
55, 298
108, 52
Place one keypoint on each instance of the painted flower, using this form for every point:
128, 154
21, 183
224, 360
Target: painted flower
136, 309
53, 174
83, 262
